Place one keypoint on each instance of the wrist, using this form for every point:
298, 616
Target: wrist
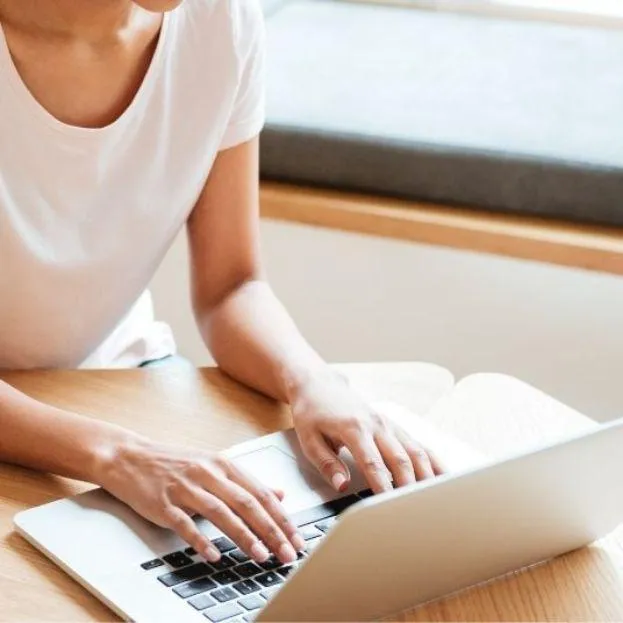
304, 383
107, 455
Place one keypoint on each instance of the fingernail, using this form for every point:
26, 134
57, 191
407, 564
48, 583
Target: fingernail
259, 552
212, 554
299, 542
287, 553
338, 481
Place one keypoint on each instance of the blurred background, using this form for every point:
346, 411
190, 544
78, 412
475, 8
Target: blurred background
504, 107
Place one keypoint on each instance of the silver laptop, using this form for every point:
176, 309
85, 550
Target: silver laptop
367, 557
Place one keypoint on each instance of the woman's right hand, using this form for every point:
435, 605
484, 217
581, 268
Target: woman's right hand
168, 485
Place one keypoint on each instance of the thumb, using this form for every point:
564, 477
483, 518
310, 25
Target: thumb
326, 461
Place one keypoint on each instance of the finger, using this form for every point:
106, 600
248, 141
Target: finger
369, 460
326, 461
279, 493
415, 451
396, 458
226, 520
421, 460
256, 517
271, 503
182, 524
438, 466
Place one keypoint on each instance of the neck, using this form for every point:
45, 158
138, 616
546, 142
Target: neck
94, 20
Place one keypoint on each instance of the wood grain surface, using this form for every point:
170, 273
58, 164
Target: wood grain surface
496, 414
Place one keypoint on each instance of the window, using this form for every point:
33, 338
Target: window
605, 13
599, 7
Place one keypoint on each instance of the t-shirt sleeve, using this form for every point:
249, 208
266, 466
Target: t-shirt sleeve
248, 113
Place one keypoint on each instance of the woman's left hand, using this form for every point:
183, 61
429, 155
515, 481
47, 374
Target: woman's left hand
329, 415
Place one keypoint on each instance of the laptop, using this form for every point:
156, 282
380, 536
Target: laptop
367, 556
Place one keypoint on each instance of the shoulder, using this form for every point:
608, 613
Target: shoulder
220, 29
245, 17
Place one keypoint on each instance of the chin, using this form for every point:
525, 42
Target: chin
158, 6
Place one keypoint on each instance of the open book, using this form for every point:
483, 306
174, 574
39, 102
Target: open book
484, 417
454, 455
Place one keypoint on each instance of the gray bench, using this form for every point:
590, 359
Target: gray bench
517, 117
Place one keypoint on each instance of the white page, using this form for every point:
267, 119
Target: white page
454, 454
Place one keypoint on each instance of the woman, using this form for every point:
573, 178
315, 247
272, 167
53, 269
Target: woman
120, 122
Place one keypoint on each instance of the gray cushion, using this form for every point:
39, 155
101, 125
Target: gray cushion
508, 115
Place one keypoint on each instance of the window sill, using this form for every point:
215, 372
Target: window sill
556, 242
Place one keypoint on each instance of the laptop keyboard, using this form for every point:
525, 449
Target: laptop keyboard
235, 588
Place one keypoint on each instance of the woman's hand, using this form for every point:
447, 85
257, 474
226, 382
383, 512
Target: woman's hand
168, 485
329, 415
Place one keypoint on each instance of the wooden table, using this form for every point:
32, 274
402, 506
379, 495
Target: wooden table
495, 414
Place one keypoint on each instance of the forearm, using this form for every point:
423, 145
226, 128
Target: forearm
41, 437
253, 338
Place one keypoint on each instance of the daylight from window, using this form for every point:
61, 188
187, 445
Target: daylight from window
601, 7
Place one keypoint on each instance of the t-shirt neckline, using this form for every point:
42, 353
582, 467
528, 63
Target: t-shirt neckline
36, 109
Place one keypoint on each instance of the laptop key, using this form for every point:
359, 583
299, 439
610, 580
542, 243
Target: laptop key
194, 588
249, 618
190, 551
202, 602
177, 559
226, 577
328, 509
224, 563
251, 603
285, 571
246, 587
366, 493
247, 570
269, 593
239, 556
224, 594
341, 504
184, 575
223, 544
222, 613
269, 579
152, 564
271, 563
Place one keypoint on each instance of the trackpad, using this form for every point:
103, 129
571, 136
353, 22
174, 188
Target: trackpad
303, 486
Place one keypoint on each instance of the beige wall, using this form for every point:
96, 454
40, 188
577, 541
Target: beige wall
360, 298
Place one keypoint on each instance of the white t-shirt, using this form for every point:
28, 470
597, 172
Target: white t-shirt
87, 215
